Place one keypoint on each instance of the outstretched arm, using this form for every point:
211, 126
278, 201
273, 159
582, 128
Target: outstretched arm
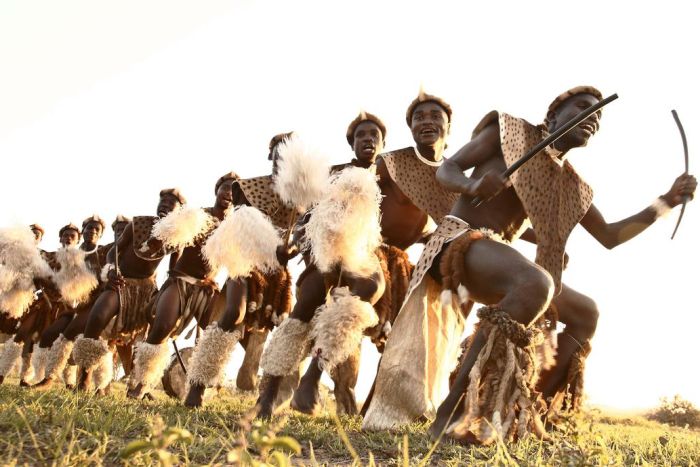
481, 148
613, 234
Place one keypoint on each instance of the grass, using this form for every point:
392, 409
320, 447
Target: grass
62, 428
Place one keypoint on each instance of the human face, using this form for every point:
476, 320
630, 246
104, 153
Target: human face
368, 142
224, 194
166, 205
578, 136
69, 237
429, 124
92, 232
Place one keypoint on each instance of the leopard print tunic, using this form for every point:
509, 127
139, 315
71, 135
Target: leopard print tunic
417, 181
260, 193
554, 196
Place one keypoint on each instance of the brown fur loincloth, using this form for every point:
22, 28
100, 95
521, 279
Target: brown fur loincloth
135, 302
196, 296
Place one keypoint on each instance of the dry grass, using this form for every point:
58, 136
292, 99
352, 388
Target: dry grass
61, 428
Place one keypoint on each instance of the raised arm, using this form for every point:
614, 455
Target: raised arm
481, 148
613, 234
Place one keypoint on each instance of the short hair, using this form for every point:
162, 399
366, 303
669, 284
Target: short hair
423, 97
364, 117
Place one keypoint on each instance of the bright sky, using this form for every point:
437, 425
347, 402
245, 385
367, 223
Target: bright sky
103, 104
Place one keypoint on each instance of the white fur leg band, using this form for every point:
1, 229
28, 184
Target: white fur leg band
338, 327
212, 353
88, 352
149, 363
288, 346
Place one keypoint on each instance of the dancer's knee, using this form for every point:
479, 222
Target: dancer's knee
535, 292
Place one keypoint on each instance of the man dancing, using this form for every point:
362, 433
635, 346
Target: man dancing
253, 304
121, 311
189, 291
366, 134
489, 399
411, 196
78, 281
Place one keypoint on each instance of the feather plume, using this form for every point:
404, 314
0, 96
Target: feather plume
302, 174
344, 226
183, 227
20, 263
338, 326
75, 280
244, 241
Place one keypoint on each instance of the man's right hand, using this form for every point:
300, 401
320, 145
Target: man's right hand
489, 185
283, 255
115, 281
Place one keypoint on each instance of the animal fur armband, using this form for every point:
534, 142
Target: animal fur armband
660, 207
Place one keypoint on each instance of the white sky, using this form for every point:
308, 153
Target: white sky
103, 104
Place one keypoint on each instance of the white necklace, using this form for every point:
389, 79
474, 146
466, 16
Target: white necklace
427, 161
91, 251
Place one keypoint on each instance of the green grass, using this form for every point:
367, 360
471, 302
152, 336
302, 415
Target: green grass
62, 428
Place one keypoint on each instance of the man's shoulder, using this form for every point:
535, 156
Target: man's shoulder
403, 152
338, 167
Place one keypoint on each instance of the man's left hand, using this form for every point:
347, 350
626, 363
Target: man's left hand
684, 185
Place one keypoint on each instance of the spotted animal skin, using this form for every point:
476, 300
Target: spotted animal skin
554, 196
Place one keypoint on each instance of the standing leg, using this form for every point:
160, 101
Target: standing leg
213, 350
151, 356
290, 341
253, 343
580, 315
345, 378
91, 350
58, 350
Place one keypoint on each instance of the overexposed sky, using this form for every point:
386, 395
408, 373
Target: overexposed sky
102, 104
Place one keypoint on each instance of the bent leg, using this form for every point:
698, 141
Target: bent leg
579, 314
151, 357
495, 274
52, 332
105, 308
290, 341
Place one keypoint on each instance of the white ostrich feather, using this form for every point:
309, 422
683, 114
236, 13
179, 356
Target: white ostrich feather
20, 263
75, 280
302, 174
338, 326
182, 227
244, 241
19, 257
344, 227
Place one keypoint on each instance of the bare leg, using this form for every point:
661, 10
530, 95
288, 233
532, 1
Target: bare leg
126, 355
307, 396
52, 332
580, 315
58, 350
106, 306
151, 356
253, 343
345, 378
496, 274
311, 294
207, 352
